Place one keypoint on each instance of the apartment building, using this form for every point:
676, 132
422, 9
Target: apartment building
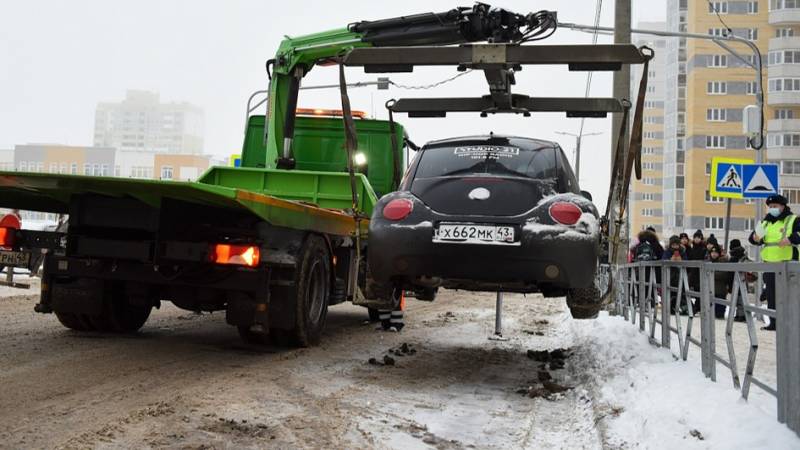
705, 93
142, 122
646, 195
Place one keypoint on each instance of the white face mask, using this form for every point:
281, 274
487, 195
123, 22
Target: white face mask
774, 212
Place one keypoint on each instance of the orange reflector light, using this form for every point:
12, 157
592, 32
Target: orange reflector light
328, 112
7, 237
242, 255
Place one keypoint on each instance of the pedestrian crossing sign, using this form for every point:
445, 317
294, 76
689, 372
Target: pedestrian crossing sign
727, 177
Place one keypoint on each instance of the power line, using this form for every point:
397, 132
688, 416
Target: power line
715, 8
598, 9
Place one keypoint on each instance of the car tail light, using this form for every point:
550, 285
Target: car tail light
7, 236
565, 213
242, 255
398, 209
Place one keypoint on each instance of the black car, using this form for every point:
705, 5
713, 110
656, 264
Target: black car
488, 213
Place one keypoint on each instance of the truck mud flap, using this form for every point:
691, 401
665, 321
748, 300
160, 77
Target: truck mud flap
81, 296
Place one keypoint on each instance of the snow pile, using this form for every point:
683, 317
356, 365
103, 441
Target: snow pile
658, 402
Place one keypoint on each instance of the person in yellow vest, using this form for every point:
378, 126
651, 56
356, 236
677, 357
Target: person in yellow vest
778, 234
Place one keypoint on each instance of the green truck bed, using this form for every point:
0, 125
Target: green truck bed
314, 201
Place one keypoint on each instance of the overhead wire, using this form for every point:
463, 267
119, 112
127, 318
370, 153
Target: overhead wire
598, 10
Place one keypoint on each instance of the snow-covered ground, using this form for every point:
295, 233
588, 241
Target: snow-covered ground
658, 402
187, 382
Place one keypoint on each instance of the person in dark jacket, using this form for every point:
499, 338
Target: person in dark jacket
778, 234
710, 242
697, 252
685, 242
738, 254
648, 249
674, 252
721, 280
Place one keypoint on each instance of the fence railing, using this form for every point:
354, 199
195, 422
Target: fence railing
645, 295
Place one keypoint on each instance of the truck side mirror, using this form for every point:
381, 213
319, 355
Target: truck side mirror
587, 195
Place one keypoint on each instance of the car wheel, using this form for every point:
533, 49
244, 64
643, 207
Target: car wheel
584, 303
426, 294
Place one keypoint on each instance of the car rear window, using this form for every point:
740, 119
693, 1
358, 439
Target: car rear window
483, 159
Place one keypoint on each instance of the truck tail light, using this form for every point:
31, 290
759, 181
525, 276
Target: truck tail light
398, 209
7, 236
242, 255
565, 213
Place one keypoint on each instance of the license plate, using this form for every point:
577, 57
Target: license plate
475, 234
16, 259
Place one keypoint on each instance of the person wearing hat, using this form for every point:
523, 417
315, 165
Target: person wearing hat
778, 234
697, 252
722, 280
738, 254
675, 252
684, 241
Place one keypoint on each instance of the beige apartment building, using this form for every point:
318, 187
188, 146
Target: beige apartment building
646, 197
706, 89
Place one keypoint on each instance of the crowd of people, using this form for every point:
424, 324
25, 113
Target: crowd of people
777, 235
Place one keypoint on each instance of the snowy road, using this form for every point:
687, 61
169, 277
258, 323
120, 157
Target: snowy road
187, 382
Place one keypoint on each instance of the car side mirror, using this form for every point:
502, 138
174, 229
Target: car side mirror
587, 195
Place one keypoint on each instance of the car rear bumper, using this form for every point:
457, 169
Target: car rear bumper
544, 256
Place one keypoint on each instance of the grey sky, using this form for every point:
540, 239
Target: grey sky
58, 59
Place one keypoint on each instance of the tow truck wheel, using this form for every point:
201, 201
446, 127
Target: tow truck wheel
311, 293
74, 321
120, 315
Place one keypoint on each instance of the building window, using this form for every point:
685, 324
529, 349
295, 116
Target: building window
783, 140
716, 114
784, 32
721, 32
104, 170
790, 167
784, 114
715, 141
717, 88
166, 172
714, 223
718, 7
752, 7
793, 195
711, 199
752, 34
717, 60
73, 169
783, 57
53, 167
783, 4
648, 197
649, 166
648, 212
87, 169
783, 84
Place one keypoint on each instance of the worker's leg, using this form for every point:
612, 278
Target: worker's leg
769, 280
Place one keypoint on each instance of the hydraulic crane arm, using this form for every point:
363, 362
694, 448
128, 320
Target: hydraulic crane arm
297, 56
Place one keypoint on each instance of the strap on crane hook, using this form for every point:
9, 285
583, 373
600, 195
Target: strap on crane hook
395, 149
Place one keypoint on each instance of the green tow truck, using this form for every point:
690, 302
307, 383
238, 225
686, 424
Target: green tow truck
275, 242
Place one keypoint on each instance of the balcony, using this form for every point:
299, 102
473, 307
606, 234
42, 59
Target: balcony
776, 125
784, 43
784, 98
784, 16
783, 70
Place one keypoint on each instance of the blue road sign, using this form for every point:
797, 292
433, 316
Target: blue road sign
759, 180
729, 178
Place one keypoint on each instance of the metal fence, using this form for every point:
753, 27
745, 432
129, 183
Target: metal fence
647, 290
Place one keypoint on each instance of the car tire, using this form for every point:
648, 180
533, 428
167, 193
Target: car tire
584, 303
426, 294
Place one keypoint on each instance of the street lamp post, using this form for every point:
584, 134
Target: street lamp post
577, 150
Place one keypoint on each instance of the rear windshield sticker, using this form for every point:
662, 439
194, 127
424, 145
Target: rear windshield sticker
486, 151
